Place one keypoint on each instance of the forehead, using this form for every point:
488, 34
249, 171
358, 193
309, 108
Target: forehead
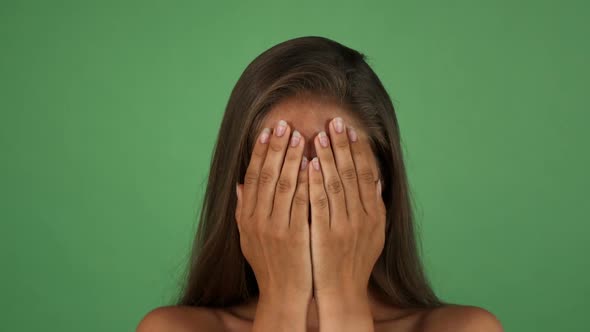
309, 114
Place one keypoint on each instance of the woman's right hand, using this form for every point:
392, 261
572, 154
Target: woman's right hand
272, 216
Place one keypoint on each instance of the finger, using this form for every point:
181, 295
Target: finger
380, 203
287, 182
253, 172
318, 199
367, 179
300, 204
238, 205
332, 181
345, 165
271, 168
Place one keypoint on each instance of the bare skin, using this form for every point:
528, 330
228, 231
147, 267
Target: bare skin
292, 248
385, 317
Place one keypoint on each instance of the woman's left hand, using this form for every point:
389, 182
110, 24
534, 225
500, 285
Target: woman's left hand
347, 219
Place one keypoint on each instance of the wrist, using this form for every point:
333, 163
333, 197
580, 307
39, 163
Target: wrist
344, 311
294, 303
291, 296
343, 304
277, 312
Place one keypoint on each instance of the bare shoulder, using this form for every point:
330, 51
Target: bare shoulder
460, 318
180, 319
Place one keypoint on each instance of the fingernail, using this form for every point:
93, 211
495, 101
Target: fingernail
295, 138
281, 127
264, 135
304, 162
323, 139
338, 125
316, 163
351, 134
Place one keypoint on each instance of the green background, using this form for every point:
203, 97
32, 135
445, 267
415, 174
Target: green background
110, 110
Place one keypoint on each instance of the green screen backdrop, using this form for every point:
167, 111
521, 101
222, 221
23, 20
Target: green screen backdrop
110, 110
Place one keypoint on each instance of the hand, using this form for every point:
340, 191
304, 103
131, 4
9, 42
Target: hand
272, 215
347, 219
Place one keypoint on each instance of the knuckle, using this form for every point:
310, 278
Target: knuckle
259, 152
333, 185
348, 173
341, 144
250, 178
300, 200
301, 180
284, 185
291, 158
275, 146
321, 202
366, 175
266, 176
357, 153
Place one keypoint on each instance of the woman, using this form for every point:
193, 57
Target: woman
319, 232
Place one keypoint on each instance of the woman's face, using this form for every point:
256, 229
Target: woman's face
310, 115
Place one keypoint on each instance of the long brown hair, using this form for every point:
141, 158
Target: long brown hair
218, 274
